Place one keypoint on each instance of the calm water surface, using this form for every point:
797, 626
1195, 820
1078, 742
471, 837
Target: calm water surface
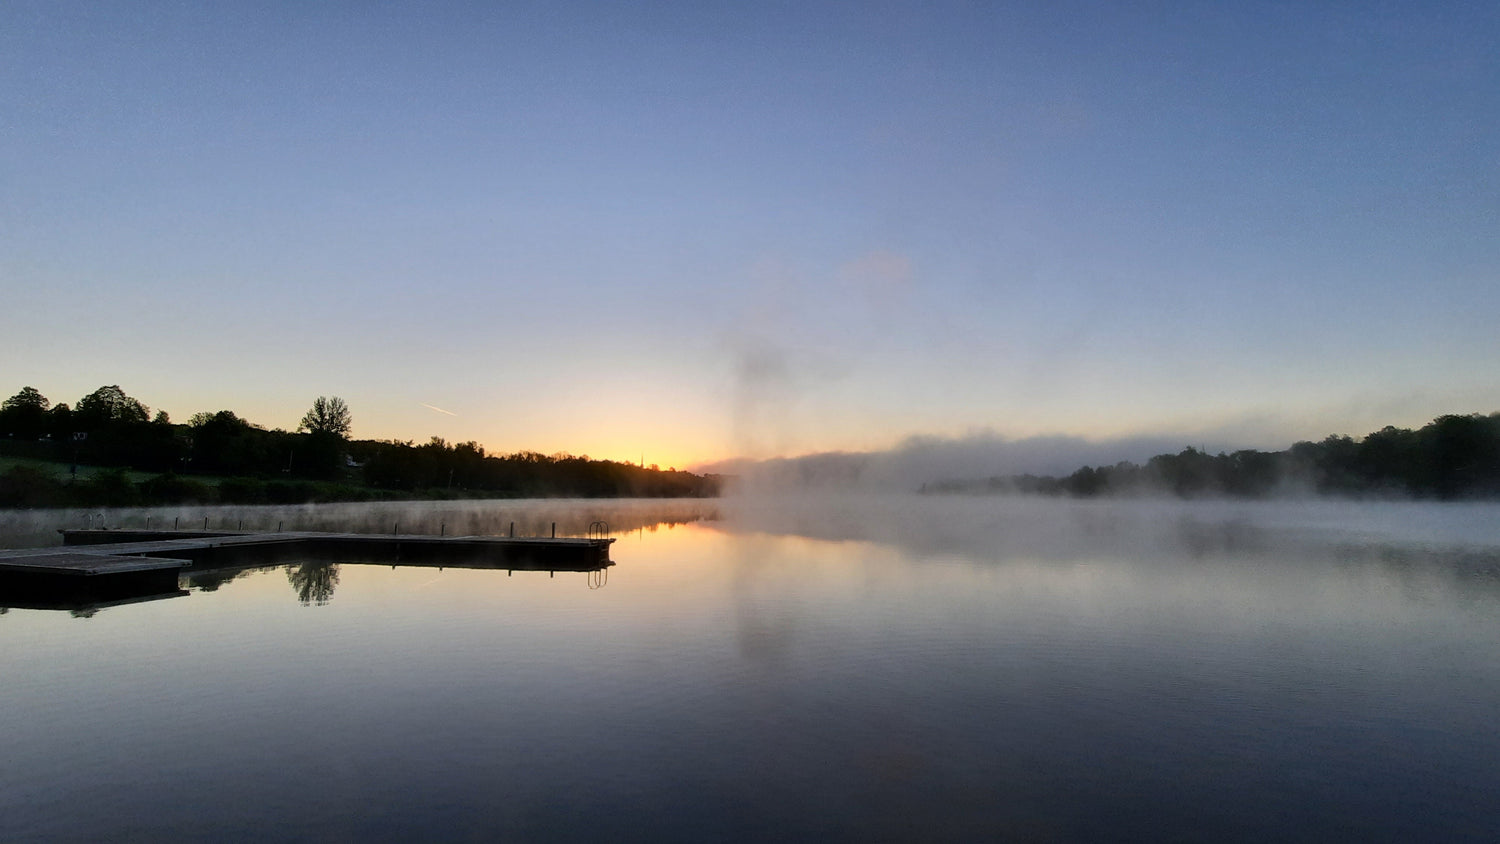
846, 669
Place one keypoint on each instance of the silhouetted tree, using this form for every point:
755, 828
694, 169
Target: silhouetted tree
60, 421
329, 415
119, 432
1462, 454
24, 415
1389, 460
223, 443
106, 405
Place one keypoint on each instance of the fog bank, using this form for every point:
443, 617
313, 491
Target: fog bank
923, 459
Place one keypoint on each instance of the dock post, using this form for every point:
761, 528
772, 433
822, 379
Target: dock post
395, 528
278, 527
174, 522
205, 523
512, 530
442, 529
554, 530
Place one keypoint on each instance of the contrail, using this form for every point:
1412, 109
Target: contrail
438, 409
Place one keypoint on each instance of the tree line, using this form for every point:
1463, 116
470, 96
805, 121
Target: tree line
220, 456
1452, 457
440, 466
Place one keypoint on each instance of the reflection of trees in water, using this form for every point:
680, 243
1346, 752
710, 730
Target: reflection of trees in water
314, 582
211, 580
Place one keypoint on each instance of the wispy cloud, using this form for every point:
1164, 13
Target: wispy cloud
437, 409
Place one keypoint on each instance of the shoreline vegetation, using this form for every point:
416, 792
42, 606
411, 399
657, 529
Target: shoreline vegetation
110, 451
1454, 457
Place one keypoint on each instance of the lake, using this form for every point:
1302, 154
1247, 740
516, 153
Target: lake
840, 668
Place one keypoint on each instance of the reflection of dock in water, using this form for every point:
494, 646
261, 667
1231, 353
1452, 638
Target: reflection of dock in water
95, 568
84, 582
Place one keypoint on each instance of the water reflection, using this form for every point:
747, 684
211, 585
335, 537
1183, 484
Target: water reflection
1120, 673
209, 580
1455, 547
1455, 543
313, 582
598, 578
81, 597
1064, 529
520, 517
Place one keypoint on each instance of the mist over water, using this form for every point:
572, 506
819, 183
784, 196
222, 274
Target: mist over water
920, 460
1061, 528
838, 667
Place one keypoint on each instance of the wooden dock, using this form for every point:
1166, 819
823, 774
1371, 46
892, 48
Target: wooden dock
67, 578
219, 548
118, 564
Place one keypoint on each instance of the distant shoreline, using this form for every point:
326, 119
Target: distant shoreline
1454, 457
30, 483
128, 456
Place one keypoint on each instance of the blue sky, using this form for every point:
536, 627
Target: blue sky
700, 230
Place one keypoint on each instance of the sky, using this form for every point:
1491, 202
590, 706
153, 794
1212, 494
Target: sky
684, 232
